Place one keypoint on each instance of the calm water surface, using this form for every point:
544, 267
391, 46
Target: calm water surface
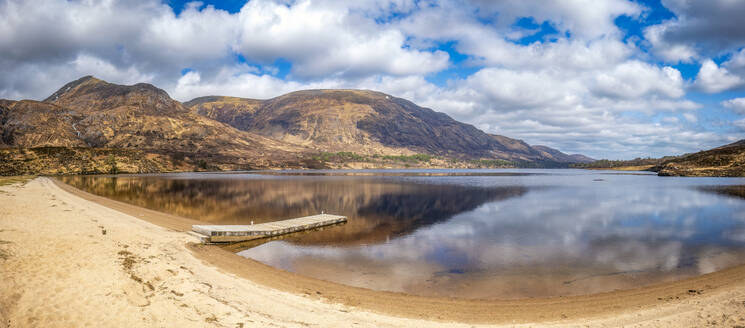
468, 233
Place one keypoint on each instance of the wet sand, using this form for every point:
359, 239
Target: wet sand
75, 259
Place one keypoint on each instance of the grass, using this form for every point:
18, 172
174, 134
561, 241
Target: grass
492, 163
5, 181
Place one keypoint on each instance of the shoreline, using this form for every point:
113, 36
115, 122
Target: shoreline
605, 305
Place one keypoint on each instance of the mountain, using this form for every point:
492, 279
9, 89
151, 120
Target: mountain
724, 161
91, 113
364, 122
144, 117
560, 157
90, 126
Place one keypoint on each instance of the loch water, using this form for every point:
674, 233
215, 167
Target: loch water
492, 234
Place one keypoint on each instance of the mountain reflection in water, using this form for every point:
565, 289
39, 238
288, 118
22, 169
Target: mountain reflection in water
473, 235
377, 209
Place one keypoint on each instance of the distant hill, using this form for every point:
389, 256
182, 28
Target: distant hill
558, 156
724, 161
90, 126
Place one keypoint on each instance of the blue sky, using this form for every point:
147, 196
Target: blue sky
610, 79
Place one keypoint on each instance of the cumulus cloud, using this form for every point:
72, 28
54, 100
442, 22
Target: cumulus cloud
634, 79
322, 41
712, 78
736, 104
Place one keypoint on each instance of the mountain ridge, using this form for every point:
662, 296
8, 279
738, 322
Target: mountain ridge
364, 121
86, 122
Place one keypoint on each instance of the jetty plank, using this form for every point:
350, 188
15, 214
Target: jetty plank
237, 233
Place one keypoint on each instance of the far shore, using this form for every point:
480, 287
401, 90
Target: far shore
72, 258
624, 168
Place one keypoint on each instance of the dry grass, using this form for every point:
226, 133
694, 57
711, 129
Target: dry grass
627, 168
5, 181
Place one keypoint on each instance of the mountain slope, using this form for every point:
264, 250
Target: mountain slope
236, 112
361, 121
29, 123
727, 160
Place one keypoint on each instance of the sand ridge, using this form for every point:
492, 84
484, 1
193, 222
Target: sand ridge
71, 262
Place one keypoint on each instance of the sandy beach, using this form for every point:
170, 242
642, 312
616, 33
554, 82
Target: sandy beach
71, 259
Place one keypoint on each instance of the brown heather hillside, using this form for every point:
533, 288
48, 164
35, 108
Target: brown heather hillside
29, 123
364, 122
725, 161
236, 112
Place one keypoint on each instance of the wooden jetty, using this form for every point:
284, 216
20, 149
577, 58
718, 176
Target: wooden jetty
237, 233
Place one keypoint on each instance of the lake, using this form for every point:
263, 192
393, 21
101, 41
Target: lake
491, 234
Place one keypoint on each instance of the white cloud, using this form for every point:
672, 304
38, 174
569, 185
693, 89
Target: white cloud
247, 85
712, 78
193, 35
87, 64
634, 79
736, 104
321, 41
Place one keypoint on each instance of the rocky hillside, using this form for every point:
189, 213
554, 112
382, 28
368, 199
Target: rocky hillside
367, 123
236, 112
29, 123
725, 161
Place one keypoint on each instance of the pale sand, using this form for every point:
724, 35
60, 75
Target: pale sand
59, 269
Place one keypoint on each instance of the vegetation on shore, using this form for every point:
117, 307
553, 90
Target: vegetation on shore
637, 163
85, 160
724, 161
350, 159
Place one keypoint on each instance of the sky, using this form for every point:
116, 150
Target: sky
614, 79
